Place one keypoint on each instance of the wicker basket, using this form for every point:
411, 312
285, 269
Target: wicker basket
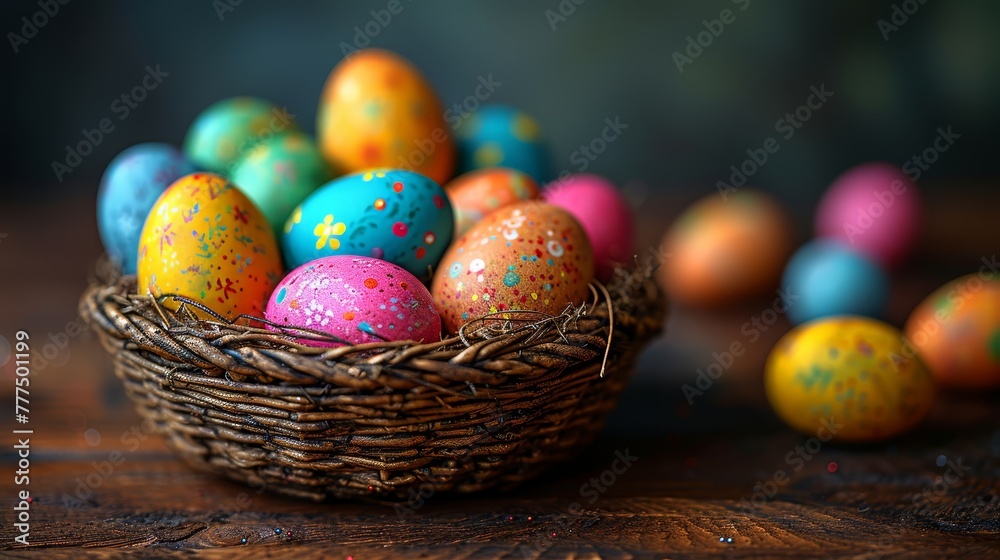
492, 407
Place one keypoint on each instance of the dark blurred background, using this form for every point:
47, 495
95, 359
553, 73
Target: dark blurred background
604, 59
893, 87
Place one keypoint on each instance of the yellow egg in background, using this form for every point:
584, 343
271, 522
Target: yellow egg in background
847, 379
721, 250
206, 241
377, 110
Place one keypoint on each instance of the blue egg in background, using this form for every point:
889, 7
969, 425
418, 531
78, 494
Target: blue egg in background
829, 279
500, 136
399, 216
131, 184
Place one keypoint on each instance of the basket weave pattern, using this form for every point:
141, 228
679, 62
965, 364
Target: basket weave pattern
492, 407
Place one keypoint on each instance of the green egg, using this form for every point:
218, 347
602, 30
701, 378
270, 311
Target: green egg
229, 129
278, 175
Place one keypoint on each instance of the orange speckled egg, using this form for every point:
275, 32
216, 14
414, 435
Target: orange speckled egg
956, 331
376, 110
847, 378
722, 250
481, 192
206, 241
526, 256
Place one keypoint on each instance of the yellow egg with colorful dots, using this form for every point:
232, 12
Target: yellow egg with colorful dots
528, 256
204, 240
377, 110
849, 379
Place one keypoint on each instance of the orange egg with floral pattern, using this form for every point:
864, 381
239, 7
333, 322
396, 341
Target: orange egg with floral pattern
528, 256
204, 240
377, 111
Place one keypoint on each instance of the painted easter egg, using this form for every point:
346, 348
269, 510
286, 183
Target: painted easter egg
278, 175
230, 128
873, 208
478, 193
847, 379
129, 188
604, 214
206, 241
356, 300
499, 136
956, 330
825, 278
526, 256
722, 250
377, 110
396, 215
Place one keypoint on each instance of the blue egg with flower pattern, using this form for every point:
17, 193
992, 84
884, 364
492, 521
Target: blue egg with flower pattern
500, 136
131, 184
392, 214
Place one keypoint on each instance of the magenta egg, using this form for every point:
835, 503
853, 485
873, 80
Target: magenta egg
875, 209
355, 299
604, 214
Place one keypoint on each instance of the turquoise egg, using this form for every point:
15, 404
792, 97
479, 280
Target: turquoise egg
500, 136
825, 278
131, 184
395, 215
230, 128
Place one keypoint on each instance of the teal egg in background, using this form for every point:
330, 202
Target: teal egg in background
501, 136
396, 215
131, 184
278, 175
230, 128
825, 278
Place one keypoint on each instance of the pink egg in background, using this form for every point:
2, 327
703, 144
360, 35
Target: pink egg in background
357, 299
603, 212
875, 209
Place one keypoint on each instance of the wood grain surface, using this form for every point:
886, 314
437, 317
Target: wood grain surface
690, 476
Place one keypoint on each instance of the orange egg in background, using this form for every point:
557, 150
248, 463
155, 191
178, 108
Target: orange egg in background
478, 193
526, 256
377, 110
722, 250
206, 241
956, 330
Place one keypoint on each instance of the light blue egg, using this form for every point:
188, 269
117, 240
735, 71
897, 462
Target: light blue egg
399, 216
499, 136
130, 186
825, 278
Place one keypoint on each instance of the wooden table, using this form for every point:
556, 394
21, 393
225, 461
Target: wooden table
694, 479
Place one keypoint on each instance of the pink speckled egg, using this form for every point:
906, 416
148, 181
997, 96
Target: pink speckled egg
604, 214
356, 299
875, 209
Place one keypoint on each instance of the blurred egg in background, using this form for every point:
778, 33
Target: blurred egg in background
723, 249
129, 188
825, 277
956, 330
228, 129
477, 193
501, 136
